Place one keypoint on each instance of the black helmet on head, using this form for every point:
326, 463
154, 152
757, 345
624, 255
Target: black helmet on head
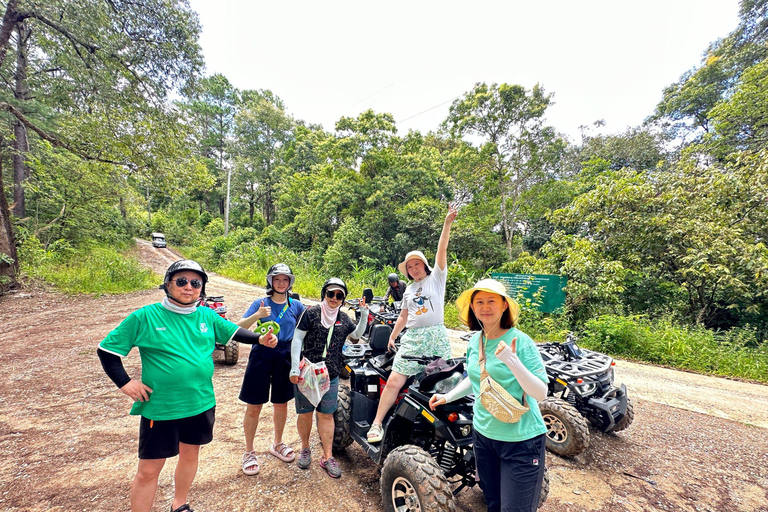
392, 278
333, 282
279, 269
180, 265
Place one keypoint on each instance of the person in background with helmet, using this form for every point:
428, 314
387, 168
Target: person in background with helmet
174, 397
269, 367
422, 315
396, 288
320, 336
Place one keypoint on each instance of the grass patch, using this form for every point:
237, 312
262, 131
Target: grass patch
94, 270
736, 353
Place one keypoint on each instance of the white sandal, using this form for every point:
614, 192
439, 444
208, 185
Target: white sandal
375, 433
283, 452
250, 463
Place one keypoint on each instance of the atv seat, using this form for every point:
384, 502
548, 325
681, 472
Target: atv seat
379, 338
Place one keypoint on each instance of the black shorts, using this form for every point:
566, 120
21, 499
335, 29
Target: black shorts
159, 439
263, 373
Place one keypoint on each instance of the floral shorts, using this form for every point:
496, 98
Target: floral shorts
421, 341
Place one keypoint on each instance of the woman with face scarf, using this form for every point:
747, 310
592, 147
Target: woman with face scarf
320, 336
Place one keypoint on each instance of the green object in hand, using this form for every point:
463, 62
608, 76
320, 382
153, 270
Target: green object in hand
262, 328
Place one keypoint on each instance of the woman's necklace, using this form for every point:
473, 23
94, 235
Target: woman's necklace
495, 332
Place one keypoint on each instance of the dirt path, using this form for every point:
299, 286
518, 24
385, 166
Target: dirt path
698, 444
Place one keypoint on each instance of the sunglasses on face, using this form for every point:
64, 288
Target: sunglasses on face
339, 295
181, 282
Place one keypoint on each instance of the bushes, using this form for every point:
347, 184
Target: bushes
734, 354
95, 269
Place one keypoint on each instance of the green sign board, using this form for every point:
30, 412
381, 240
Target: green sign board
527, 286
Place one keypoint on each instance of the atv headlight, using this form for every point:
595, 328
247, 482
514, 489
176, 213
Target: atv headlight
465, 430
448, 383
586, 389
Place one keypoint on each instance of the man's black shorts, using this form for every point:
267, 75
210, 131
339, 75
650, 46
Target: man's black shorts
263, 373
159, 439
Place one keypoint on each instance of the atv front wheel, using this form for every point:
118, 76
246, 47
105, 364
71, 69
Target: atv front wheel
544, 494
627, 419
231, 352
567, 430
412, 481
342, 419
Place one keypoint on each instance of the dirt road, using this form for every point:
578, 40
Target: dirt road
698, 444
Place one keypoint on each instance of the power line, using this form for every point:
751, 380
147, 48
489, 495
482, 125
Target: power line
425, 111
375, 93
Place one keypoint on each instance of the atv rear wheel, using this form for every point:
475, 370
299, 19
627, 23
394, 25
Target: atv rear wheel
231, 352
342, 419
412, 481
567, 429
627, 419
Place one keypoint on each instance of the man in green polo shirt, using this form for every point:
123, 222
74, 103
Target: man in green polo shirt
174, 396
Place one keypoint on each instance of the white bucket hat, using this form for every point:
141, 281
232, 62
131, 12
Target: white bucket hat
413, 255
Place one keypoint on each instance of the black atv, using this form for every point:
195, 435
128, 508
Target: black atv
380, 313
581, 389
426, 456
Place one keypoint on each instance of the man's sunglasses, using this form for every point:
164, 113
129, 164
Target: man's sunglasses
181, 282
338, 294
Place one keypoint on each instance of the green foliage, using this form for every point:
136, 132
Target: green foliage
544, 326
735, 354
520, 151
459, 278
96, 269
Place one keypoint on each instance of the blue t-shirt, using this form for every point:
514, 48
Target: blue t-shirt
531, 423
290, 315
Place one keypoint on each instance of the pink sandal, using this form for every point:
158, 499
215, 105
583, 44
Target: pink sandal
283, 452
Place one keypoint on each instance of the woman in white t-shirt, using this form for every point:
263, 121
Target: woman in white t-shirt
422, 314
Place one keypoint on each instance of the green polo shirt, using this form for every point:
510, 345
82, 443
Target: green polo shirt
176, 360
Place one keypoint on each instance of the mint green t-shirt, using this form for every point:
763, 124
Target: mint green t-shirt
176, 360
531, 424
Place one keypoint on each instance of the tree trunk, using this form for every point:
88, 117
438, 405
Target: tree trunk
20, 144
8, 270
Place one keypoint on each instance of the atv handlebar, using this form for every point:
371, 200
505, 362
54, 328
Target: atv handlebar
422, 359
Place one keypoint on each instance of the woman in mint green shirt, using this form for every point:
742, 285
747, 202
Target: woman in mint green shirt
509, 456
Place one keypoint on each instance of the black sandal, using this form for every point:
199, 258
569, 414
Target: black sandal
183, 508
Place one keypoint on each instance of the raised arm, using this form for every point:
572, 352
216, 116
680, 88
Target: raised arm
441, 259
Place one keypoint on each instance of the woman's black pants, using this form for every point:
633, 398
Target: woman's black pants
510, 472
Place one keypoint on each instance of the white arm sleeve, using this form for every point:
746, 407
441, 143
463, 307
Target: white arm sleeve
296, 346
361, 324
461, 390
532, 385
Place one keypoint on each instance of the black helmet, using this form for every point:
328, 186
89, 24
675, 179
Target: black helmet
334, 281
178, 266
392, 278
279, 269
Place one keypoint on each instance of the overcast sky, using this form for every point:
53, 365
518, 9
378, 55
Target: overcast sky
602, 59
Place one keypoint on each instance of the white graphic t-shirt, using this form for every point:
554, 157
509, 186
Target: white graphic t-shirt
425, 299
